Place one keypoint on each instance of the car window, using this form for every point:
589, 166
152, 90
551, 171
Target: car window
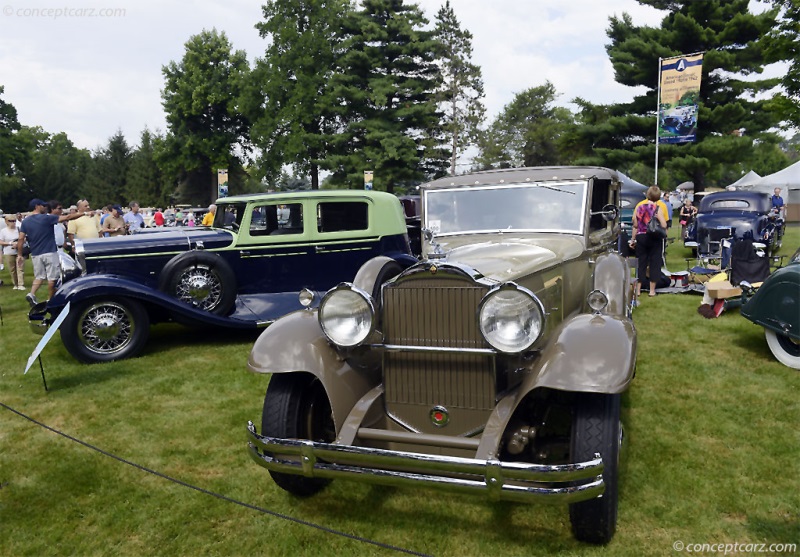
552, 207
274, 219
230, 216
730, 204
341, 216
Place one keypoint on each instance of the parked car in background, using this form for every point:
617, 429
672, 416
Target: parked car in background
493, 366
726, 216
776, 307
242, 273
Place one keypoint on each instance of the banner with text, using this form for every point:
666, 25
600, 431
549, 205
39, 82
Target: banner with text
222, 182
679, 98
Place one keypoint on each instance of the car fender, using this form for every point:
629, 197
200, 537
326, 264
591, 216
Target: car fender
93, 286
296, 344
588, 353
612, 277
776, 304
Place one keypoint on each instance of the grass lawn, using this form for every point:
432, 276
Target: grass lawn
711, 420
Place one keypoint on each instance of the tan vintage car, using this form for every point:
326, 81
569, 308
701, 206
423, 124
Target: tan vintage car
495, 365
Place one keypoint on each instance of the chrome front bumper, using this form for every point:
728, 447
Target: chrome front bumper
38, 320
510, 481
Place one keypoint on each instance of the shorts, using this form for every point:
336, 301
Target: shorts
46, 266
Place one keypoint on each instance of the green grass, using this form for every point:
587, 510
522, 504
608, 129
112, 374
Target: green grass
712, 453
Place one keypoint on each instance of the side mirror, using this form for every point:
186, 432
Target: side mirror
609, 212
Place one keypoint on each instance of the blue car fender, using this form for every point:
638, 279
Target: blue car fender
106, 286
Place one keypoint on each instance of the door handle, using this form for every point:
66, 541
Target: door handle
244, 253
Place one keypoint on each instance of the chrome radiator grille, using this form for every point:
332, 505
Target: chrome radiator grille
427, 312
438, 312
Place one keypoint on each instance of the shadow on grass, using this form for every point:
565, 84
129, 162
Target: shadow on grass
166, 336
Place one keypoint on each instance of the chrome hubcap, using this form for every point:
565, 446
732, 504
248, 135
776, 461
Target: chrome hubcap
201, 287
106, 328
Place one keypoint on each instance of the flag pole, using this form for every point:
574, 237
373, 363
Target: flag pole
658, 116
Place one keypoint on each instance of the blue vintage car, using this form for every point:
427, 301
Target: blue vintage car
265, 255
731, 215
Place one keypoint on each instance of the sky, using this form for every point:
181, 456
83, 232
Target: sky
91, 68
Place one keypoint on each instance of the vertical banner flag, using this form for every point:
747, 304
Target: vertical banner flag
679, 98
368, 179
222, 182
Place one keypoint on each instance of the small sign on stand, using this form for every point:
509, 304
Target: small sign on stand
45, 339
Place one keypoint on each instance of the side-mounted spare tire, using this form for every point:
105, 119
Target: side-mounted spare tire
202, 280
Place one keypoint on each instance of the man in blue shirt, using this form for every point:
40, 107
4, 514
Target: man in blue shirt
777, 202
133, 218
37, 228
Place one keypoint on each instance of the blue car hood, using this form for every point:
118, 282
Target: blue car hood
174, 240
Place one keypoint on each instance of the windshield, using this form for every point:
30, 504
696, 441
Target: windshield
551, 207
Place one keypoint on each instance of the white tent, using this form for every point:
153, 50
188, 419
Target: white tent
747, 180
788, 180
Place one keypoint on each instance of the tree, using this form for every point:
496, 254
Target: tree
385, 98
106, 183
527, 132
13, 156
734, 46
145, 182
206, 131
462, 84
785, 45
291, 100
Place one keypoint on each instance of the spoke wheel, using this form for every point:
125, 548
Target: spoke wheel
296, 406
199, 286
103, 330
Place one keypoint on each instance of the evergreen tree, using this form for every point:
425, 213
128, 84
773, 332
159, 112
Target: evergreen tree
145, 182
106, 182
59, 169
206, 131
385, 95
527, 132
785, 45
732, 39
290, 98
461, 92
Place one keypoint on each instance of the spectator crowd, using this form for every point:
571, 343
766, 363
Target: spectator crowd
47, 228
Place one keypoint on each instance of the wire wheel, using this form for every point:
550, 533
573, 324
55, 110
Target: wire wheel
199, 286
106, 328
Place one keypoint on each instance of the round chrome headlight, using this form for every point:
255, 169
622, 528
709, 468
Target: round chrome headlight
511, 318
346, 315
597, 300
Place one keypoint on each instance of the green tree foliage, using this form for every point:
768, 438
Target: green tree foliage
733, 41
206, 131
528, 132
385, 96
107, 180
461, 92
290, 98
14, 154
146, 182
785, 45
58, 169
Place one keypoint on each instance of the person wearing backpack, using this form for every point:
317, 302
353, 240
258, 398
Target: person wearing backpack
649, 247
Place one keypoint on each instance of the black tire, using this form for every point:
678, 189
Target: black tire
390, 270
296, 406
202, 280
596, 429
102, 330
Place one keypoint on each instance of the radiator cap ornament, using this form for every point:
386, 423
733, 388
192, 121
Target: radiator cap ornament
439, 416
433, 269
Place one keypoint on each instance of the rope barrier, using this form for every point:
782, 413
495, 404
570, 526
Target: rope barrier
218, 495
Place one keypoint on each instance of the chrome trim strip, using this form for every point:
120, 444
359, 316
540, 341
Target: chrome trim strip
432, 349
514, 481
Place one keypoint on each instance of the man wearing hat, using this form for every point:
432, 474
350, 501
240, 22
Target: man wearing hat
114, 225
37, 228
